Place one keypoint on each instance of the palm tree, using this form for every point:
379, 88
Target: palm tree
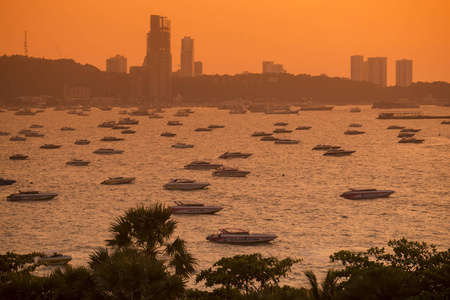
327, 288
148, 229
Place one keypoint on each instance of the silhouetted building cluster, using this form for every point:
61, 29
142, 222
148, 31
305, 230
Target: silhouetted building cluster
271, 67
374, 70
117, 63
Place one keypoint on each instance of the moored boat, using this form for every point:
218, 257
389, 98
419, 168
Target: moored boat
325, 147
281, 130
261, 133
216, 126
111, 139
185, 184
410, 130
168, 134
77, 162
235, 155
303, 128
357, 194
118, 180
6, 181
203, 129
239, 236
411, 140
174, 123
18, 157
268, 139
191, 207
395, 127
182, 145
54, 258
17, 138
50, 146
82, 142
106, 151
354, 132
202, 165
286, 141
338, 152
33, 195
229, 172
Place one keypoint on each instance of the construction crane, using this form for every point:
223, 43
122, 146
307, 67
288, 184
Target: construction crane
25, 44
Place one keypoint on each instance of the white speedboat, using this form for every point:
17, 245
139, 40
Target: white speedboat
168, 134
118, 180
17, 138
356, 194
325, 147
77, 162
239, 236
354, 132
30, 195
174, 123
411, 140
67, 128
229, 172
54, 258
82, 142
202, 165
50, 146
191, 207
111, 139
261, 133
182, 145
185, 184
281, 130
338, 152
235, 155
108, 151
203, 129
18, 157
286, 141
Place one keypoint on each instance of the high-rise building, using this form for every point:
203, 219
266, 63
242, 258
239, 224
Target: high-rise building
159, 60
271, 67
117, 63
357, 68
198, 68
377, 70
403, 70
187, 57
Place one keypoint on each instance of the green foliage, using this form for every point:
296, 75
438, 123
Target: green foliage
247, 272
13, 262
430, 268
326, 290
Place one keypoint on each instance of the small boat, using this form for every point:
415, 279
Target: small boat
128, 121
239, 236
405, 134
286, 141
120, 127
303, 128
410, 130
212, 126
18, 157
354, 125
357, 194
67, 129
395, 127
30, 195
105, 108
6, 181
169, 134
82, 142
4, 133
17, 138
269, 139
118, 180
203, 129
411, 140
77, 162
54, 258
238, 111
82, 114
235, 155
316, 107
154, 116
106, 151
325, 147
445, 122
181, 114
25, 112
128, 131
50, 146
108, 124
111, 139
174, 123
36, 126
338, 152
354, 132
34, 134
25, 131
182, 145
202, 165
192, 207
185, 184
139, 112
229, 172
280, 124
261, 133
355, 109
281, 130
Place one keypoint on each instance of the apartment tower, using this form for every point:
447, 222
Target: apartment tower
117, 63
377, 70
357, 68
187, 57
403, 71
159, 60
198, 68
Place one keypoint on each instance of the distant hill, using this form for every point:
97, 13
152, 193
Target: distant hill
27, 76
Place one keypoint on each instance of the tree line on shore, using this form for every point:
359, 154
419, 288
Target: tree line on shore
143, 260
27, 76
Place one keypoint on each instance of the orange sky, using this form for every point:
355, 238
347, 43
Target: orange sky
232, 36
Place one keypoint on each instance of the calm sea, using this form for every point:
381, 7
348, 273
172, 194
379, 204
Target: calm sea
292, 191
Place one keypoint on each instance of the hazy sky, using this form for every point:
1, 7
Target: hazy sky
232, 36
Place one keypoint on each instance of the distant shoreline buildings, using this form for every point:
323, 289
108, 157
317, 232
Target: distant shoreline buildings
271, 67
374, 70
117, 63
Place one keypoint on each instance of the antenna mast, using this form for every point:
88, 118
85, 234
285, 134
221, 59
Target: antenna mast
25, 45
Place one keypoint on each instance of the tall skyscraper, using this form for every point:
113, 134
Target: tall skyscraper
403, 70
198, 68
187, 57
357, 68
271, 67
117, 63
159, 60
377, 70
